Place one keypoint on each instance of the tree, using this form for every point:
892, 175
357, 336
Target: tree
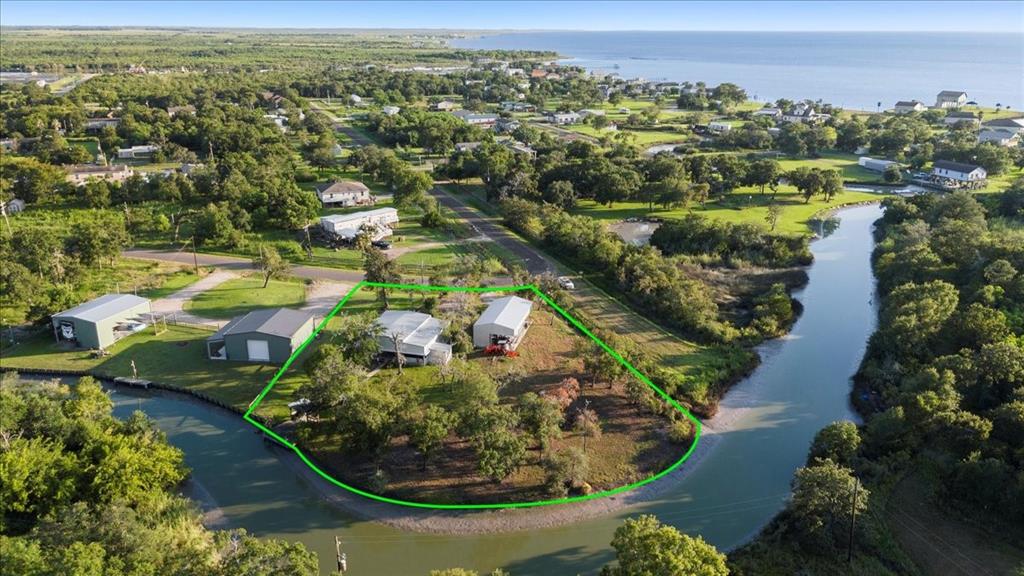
588, 424
500, 451
568, 468
773, 215
832, 183
808, 181
379, 268
541, 417
646, 547
369, 415
892, 174
429, 429
330, 377
823, 501
838, 442
270, 264
764, 172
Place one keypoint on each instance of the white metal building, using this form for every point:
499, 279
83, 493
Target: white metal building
349, 225
503, 322
417, 334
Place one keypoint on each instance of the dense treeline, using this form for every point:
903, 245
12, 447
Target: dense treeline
91, 50
82, 492
729, 243
941, 388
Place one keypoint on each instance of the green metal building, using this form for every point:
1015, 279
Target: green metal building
99, 323
269, 336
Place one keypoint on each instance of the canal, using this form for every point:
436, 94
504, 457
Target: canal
759, 438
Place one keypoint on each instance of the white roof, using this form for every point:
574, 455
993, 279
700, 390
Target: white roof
509, 312
103, 307
338, 219
415, 328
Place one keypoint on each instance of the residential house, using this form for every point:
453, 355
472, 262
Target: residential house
12, 206
954, 118
1015, 125
355, 99
270, 335
137, 151
520, 148
875, 164
344, 193
999, 137
445, 106
908, 106
390, 110
79, 174
189, 109
376, 222
464, 147
416, 336
476, 118
511, 106
563, 118
505, 125
503, 323
98, 124
950, 99
102, 321
804, 112
719, 127
958, 172
770, 112
538, 73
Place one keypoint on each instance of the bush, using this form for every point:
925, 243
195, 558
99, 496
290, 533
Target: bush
681, 431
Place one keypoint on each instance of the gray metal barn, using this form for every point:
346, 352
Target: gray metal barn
102, 321
270, 335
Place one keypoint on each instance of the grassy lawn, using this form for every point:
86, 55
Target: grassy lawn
846, 163
743, 205
172, 283
641, 137
91, 145
1003, 181
177, 357
241, 295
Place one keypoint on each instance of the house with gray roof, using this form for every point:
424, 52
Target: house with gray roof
416, 335
102, 321
951, 99
270, 335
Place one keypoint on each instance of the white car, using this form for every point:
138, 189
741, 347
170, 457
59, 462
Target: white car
566, 283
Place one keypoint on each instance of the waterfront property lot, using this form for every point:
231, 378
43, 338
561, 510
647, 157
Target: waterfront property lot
632, 444
845, 163
176, 357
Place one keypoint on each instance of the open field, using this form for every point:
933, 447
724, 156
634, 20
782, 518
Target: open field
240, 295
845, 163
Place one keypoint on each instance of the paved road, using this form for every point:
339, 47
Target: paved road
235, 263
532, 260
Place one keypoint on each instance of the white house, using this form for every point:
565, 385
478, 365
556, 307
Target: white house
769, 112
348, 226
445, 106
475, 118
520, 148
390, 110
958, 171
344, 193
562, 118
954, 118
874, 164
719, 127
503, 323
1015, 125
467, 146
355, 99
416, 334
908, 106
950, 99
999, 137
803, 113
137, 151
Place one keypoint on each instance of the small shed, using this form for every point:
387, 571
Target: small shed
504, 322
99, 323
269, 335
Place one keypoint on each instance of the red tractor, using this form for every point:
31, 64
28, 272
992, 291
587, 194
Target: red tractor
499, 350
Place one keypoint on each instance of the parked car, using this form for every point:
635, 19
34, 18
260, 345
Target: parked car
382, 244
566, 283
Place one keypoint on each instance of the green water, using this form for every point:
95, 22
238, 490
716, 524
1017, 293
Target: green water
801, 385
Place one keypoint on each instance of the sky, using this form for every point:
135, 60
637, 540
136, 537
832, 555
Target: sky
943, 16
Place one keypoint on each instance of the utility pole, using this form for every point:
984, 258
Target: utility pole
195, 258
853, 521
309, 243
342, 558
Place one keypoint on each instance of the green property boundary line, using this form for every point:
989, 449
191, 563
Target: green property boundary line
411, 504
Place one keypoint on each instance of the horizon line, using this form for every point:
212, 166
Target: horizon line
490, 30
